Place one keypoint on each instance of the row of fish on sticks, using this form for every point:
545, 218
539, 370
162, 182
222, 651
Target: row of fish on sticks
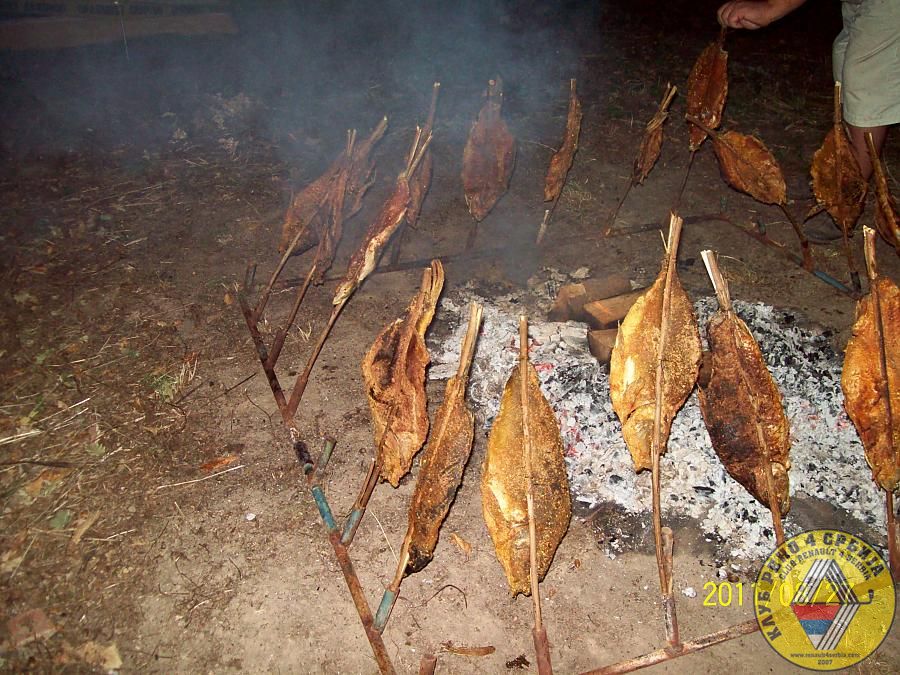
655, 365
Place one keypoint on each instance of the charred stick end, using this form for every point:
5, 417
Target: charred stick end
542, 651
428, 664
671, 619
892, 536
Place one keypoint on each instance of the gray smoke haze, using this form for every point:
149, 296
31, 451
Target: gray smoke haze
328, 65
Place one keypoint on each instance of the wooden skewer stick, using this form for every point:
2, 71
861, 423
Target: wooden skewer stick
724, 297
303, 380
845, 231
668, 653
885, 394
663, 563
658, 119
538, 633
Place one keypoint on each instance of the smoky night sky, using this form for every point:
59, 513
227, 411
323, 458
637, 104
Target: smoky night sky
329, 66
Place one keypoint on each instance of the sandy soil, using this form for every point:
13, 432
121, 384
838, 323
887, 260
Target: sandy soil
135, 193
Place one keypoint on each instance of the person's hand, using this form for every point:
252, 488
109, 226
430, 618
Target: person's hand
749, 14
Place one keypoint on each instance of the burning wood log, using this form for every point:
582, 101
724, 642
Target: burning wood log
871, 384
394, 373
748, 166
562, 159
489, 156
648, 152
363, 261
608, 312
887, 216
571, 298
707, 90
653, 369
742, 407
837, 182
443, 462
524, 487
601, 343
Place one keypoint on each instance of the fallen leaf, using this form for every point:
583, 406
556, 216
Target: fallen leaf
82, 525
467, 651
520, 662
46, 481
24, 297
228, 299
28, 627
95, 449
97, 655
462, 544
60, 519
218, 463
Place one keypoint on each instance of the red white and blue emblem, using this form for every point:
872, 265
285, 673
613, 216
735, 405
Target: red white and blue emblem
825, 622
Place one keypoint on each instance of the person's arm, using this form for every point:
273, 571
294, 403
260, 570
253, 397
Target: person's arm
753, 14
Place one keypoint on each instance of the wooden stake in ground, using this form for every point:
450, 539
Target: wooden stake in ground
524, 487
562, 159
707, 90
871, 384
648, 153
887, 216
748, 166
652, 371
363, 262
742, 407
838, 183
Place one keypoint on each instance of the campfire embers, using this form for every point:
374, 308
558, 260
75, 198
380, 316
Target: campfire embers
827, 458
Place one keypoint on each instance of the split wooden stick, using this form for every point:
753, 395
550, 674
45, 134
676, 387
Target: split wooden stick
663, 561
539, 633
890, 516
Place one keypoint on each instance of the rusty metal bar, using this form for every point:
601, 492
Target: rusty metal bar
669, 653
263, 355
343, 558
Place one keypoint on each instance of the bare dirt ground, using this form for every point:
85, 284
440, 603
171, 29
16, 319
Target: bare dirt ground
135, 193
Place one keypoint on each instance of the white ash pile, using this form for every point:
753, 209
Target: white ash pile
827, 458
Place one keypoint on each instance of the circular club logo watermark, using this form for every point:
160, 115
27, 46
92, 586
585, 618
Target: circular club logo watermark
824, 600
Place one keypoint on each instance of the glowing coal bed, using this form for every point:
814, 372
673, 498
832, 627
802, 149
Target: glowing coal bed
826, 455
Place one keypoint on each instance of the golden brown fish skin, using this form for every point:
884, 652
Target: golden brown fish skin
749, 166
365, 258
488, 157
739, 392
863, 387
707, 90
443, 460
394, 372
562, 159
440, 475
504, 483
632, 370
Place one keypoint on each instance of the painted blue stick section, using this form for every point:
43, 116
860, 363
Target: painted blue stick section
350, 526
384, 610
326, 454
324, 509
831, 281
